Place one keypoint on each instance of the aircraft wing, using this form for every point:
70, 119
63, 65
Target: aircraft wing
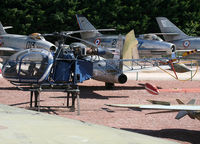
5, 52
7, 49
24, 126
158, 107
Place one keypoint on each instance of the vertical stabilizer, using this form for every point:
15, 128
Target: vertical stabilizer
179, 101
171, 31
130, 50
191, 102
2, 31
84, 24
183, 113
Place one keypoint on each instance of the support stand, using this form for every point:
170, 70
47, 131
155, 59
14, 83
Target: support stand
74, 93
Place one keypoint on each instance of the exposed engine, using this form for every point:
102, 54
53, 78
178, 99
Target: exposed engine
109, 77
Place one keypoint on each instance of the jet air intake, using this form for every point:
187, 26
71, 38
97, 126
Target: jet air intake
122, 78
173, 48
53, 49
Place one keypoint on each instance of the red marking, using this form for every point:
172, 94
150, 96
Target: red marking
3, 127
182, 90
97, 41
151, 89
186, 43
173, 69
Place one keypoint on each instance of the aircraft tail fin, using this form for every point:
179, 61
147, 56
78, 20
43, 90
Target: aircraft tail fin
179, 101
181, 114
84, 24
2, 30
169, 30
191, 102
129, 50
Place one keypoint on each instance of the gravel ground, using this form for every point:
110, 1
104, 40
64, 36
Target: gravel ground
94, 96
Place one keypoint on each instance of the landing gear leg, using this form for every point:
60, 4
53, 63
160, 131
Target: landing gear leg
109, 85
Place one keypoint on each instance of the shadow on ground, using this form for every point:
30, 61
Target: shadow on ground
184, 135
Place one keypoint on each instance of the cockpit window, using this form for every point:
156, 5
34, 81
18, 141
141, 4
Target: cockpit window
36, 36
150, 37
30, 65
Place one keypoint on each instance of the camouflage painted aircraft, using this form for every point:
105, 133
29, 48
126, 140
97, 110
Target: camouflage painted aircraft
12, 43
193, 111
24, 126
173, 34
148, 44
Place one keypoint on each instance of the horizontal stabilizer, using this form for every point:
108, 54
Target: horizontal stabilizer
8, 27
2, 30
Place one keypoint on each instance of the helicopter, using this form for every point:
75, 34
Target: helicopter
36, 69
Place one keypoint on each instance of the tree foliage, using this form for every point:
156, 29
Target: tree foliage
28, 16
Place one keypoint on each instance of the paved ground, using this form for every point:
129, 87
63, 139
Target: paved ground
94, 96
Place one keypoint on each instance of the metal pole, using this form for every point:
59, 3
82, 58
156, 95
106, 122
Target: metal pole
136, 76
78, 104
191, 70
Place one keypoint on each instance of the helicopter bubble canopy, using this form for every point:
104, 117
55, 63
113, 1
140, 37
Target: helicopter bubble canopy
28, 66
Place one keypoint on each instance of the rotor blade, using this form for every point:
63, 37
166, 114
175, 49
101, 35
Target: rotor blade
87, 31
85, 41
165, 34
158, 112
67, 35
50, 34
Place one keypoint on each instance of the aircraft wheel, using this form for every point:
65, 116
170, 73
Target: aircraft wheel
109, 85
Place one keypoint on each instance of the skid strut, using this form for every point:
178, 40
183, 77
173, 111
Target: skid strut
74, 93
